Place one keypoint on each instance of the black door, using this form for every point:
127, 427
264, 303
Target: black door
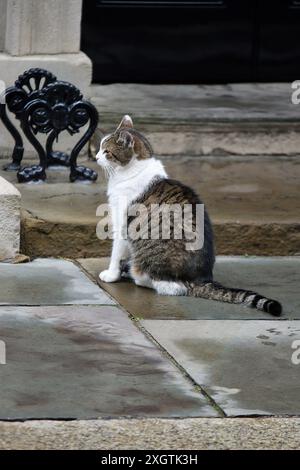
200, 41
278, 40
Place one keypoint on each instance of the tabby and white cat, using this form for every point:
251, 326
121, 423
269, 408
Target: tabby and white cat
135, 176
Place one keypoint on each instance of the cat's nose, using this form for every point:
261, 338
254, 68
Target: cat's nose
98, 157
101, 158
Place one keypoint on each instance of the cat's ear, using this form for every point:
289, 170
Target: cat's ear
126, 122
126, 139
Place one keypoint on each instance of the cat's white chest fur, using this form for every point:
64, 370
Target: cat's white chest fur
128, 183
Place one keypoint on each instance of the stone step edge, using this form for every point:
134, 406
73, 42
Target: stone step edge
40, 238
207, 138
157, 122
217, 139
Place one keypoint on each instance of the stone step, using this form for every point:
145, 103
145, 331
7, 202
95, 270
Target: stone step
253, 202
233, 119
236, 119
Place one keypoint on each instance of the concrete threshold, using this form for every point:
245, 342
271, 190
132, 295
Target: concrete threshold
149, 434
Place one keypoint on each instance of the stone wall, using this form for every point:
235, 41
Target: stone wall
2, 24
43, 27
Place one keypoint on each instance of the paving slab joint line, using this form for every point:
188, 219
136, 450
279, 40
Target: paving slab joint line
161, 349
91, 278
197, 386
165, 353
84, 271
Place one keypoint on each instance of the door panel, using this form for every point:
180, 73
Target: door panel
279, 34
169, 41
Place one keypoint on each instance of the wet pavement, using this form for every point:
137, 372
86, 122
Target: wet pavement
247, 367
87, 362
48, 282
277, 277
73, 352
245, 360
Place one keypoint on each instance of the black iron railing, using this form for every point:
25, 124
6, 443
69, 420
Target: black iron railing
45, 105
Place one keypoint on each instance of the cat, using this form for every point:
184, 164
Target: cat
135, 176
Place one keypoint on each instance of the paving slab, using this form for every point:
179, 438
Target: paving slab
149, 434
48, 282
86, 362
277, 278
247, 367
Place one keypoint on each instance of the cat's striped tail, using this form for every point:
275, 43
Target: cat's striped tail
215, 291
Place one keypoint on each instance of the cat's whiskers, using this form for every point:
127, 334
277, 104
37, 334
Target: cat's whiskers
108, 171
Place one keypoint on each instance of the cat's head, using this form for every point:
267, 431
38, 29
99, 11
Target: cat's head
124, 146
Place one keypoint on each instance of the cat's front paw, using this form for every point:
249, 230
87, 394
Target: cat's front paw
109, 276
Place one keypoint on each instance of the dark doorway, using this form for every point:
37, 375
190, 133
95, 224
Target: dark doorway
200, 41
